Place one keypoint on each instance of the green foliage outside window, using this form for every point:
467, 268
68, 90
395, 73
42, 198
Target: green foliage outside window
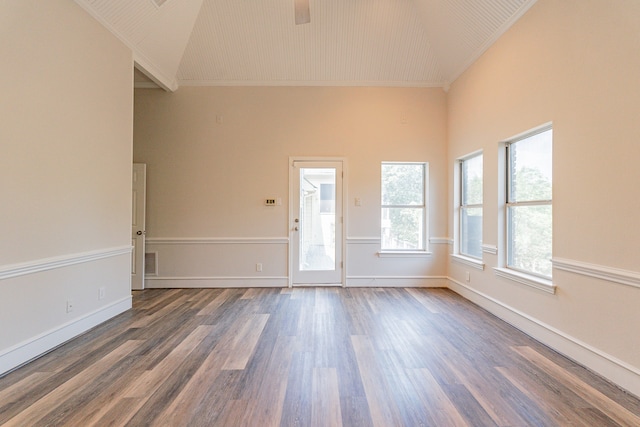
531, 226
529, 204
403, 205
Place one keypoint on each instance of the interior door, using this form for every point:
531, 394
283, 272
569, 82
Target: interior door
316, 223
138, 205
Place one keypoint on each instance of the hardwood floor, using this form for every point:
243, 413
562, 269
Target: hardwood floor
308, 357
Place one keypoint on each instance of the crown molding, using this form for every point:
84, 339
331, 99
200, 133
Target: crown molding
311, 83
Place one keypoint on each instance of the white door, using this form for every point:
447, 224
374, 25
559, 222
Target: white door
137, 225
316, 222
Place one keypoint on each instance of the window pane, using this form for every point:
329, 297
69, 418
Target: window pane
471, 232
403, 184
402, 228
529, 229
472, 181
530, 168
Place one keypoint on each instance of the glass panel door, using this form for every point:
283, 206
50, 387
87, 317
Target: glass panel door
317, 223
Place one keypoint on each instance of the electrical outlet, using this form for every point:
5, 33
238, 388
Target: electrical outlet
69, 305
468, 276
259, 267
102, 292
270, 202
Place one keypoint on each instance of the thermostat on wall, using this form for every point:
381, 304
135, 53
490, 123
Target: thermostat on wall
273, 202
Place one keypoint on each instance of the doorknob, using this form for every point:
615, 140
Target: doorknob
296, 220
139, 233
295, 228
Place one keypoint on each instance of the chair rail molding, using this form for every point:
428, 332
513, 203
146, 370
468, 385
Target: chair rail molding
44, 264
490, 249
364, 240
610, 274
440, 241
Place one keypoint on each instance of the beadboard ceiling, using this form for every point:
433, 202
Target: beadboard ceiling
347, 42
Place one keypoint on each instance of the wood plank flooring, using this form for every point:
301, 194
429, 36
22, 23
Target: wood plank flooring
308, 357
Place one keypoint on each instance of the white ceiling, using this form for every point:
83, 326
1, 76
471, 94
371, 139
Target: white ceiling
348, 42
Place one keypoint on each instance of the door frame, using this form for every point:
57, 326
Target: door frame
138, 232
292, 214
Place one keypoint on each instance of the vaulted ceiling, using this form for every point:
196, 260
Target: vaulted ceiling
347, 42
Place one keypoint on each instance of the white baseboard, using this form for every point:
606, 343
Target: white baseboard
215, 282
217, 241
397, 282
621, 373
283, 282
25, 351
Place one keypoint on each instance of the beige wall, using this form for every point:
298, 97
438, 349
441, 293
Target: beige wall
65, 174
209, 180
574, 63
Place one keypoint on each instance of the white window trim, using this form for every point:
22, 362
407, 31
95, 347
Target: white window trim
459, 207
526, 279
514, 275
468, 261
425, 215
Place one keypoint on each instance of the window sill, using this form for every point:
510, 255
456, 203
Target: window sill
471, 262
403, 254
526, 279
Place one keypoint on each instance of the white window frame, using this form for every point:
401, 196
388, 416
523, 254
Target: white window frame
504, 270
424, 250
462, 206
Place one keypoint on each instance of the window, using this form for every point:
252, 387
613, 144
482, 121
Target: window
404, 206
529, 203
470, 209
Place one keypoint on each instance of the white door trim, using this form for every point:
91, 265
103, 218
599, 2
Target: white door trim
139, 179
292, 214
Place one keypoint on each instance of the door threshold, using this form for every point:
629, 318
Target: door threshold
318, 285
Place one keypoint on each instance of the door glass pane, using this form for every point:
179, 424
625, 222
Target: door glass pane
317, 219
